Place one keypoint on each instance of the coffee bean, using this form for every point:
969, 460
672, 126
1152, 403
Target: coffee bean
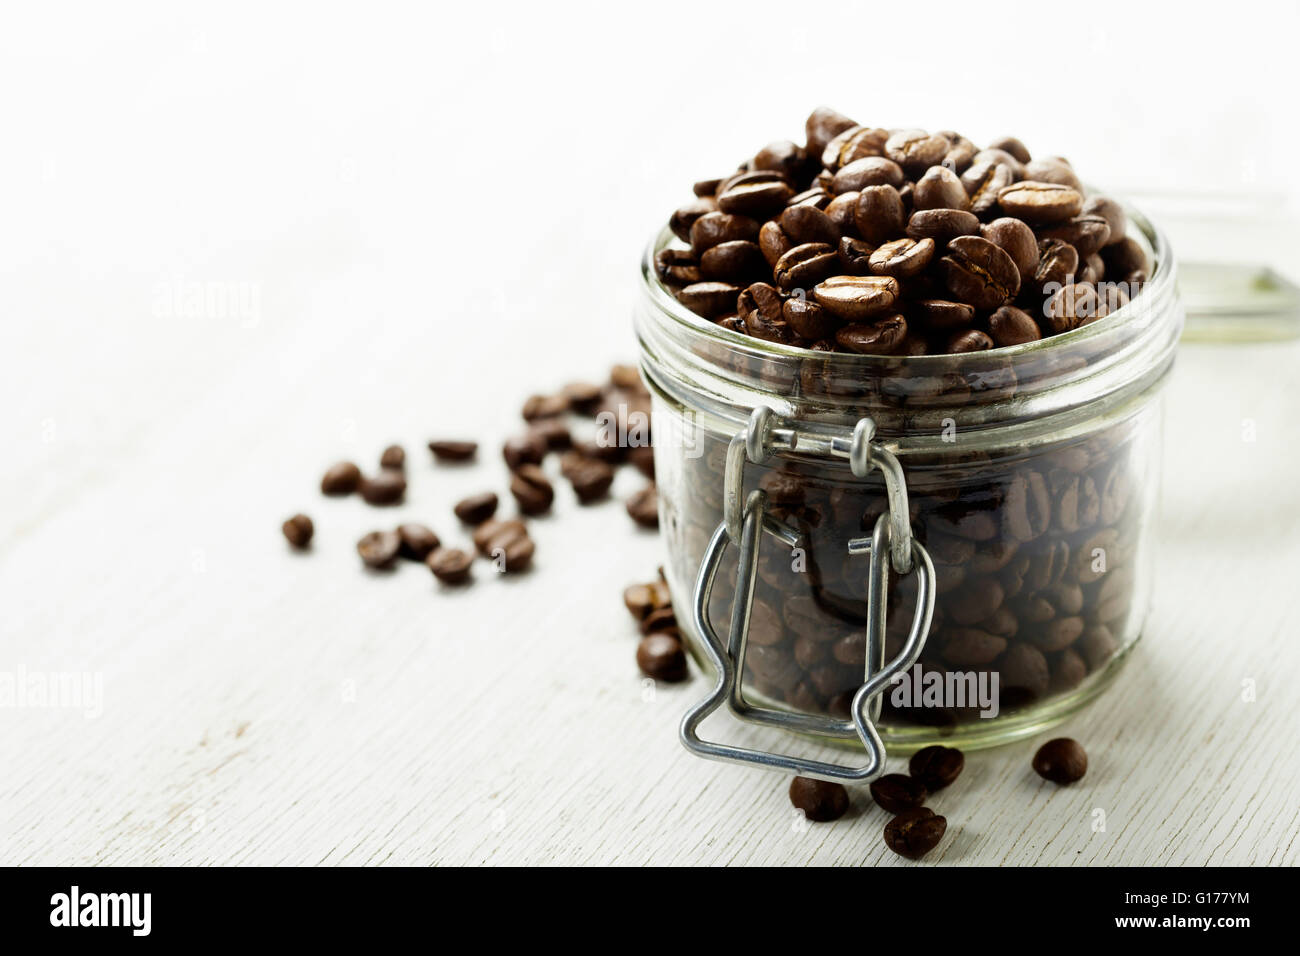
453, 450
553, 432
732, 262
982, 182
969, 340
916, 150
476, 508
896, 792
855, 256
709, 299
388, 487
394, 456
298, 530
497, 528
591, 479
902, 258
854, 143
1039, 203
808, 319
942, 314
804, 224
758, 194
532, 490
1125, 257
677, 267
1013, 146
1057, 262
681, 221
822, 126
662, 620
1112, 212
781, 156
642, 458
979, 273
544, 406
507, 543
644, 507
1061, 761
773, 242
804, 266
762, 298
882, 336
450, 565
642, 599
942, 225
936, 766
627, 378
526, 449
1086, 233
820, 800
584, 397
1002, 157
1071, 307
341, 479
914, 833
868, 171
378, 549
1053, 170
1017, 240
417, 541
842, 211
878, 213
939, 188
660, 657
706, 187
857, 297
717, 227
1010, 326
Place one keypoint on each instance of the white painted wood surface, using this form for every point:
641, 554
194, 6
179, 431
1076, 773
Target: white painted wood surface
265, 707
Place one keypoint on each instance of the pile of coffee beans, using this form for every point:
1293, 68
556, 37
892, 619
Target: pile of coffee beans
900, 242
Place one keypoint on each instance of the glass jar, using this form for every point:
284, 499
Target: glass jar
1031, 477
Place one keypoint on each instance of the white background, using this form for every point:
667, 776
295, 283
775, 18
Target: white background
435, 210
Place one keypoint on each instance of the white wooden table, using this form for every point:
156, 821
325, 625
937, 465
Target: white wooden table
224, 267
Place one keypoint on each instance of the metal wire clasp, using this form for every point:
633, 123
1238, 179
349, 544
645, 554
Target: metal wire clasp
741, 525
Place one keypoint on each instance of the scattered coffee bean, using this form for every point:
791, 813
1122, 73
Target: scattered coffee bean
642, 599
526, 449
394, 456
914, 833
341, 479
642, 458
298, 530
544, 406
450, 565
591, 479
532, 489
936, 766
378, 549
897, 792
644, 507
476, 508
1061, 761
453, 450
417, 541
553, 432
584, 397
660, 656
820, 800
388, 487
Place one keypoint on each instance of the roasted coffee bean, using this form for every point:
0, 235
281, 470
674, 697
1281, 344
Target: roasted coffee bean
1053, 170
1112, 212
914, 833
1039, 203
660, 620
627, 378
1027, 511
495, 529
660, 657
732, 262
1071, 307
979, 273
942, 225
341, 479
897, 792
762, 326
1011, 326
1010, 144
939, 188
808, 319
855, 256
388, 487
762, 298
643, 507
1061, 761
532, 490
298, 530
1001, 156
1017, 240
681, 221
394, 456
969, 340
902, 258
820, 800
781, 156
1124, 258
641, 599
590, 478
1086, 233
453, 450
854, 143
544, 406
773, 242
805, 265
476, 508
858, 297
878, 213
936, 766
942, 314
717, 227
758, 194
709, 299
1025, 673
378, 549
1057, 262
982, 183
526, 449
417, 541
553, 431
804, 224
883, 336
868, 171
706, 187
449, 565
677, 267
506, 542
916, 150
818, 197
822, 126
970, 647
642, 458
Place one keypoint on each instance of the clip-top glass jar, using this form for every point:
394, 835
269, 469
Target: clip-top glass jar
1030, 478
